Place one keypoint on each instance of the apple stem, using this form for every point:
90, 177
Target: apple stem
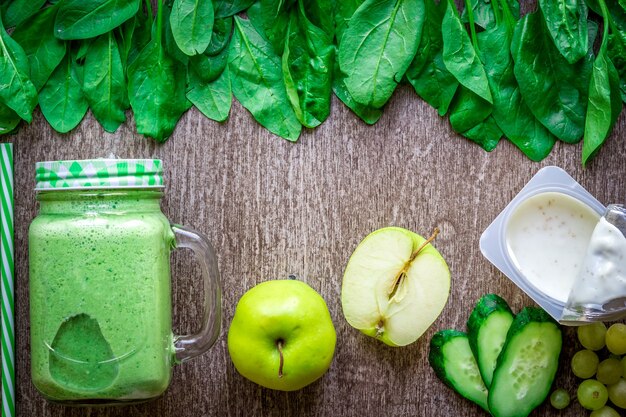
279, 346
430, 239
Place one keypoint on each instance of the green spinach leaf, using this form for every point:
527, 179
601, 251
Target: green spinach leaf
471, 117
4, 5
213, 99
222, 30
378, 47
484, 12
156, 87
9, 120
321, 14
209, 67
343, 14
171, 47
226, 8
616, 51
271, 19
20, 10
460, 55
257, 81
61, 99
510, 111
83, 47
307, 68
192, 23
44, 51
17, 91
487, 134
618, 14
554, 90
468, 110
134, 35
605, 102
427, 73
104, 84
78, 64
368, 114
344, 10
81, 19
566, 21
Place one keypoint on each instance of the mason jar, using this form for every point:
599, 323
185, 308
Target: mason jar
100, 288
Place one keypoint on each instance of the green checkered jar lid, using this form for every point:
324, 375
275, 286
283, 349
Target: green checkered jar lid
99, 173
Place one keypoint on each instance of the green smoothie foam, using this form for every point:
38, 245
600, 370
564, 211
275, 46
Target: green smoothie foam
100, 296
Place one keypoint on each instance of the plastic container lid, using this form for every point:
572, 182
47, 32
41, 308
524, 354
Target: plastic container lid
99, 174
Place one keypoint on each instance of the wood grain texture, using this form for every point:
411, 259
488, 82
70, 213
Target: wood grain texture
272, 208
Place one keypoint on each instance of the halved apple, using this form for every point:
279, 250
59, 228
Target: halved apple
395, 285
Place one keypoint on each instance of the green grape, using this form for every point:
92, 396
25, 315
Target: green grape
617, 393
585, 363
616, 339
624, 366
605, 411
592, 394
609, 371
592, 336
559, 399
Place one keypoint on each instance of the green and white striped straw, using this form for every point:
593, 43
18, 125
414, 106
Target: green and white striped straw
8, 327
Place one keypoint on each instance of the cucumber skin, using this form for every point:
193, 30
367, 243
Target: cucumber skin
526, 316
435, 354
488, 304
436, 359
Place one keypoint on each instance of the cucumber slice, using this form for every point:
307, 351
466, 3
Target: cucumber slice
453, 361
527, 364
487, 328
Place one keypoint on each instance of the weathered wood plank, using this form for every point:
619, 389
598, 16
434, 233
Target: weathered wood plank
272, 208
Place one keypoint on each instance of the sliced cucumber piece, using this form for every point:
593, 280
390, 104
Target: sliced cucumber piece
487, 328
453, 361
527, 364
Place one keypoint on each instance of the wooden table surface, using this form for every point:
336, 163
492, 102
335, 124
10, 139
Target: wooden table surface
273, 208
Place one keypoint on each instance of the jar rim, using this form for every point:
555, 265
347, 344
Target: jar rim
99, 195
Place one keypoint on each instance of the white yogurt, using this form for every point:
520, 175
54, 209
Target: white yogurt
547, 237
603, 274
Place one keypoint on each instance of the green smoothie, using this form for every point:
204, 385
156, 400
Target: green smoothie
100, 301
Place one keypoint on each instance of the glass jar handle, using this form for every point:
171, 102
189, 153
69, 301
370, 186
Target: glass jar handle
190, 346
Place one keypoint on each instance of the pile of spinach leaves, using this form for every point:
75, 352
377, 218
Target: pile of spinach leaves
533, 79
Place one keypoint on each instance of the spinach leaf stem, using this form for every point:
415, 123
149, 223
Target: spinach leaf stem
159, 23
470, 15
496, 10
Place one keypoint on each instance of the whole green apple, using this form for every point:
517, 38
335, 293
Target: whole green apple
282, 336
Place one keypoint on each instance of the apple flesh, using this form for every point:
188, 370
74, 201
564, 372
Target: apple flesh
282, 336
395, 286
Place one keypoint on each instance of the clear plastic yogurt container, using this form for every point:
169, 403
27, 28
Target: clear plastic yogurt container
539, 241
